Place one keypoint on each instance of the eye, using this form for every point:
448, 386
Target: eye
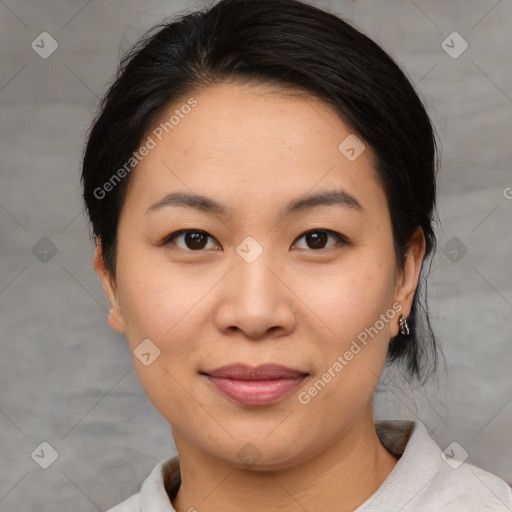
197, 240
317, 238
194, 240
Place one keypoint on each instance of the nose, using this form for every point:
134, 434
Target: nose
256, 300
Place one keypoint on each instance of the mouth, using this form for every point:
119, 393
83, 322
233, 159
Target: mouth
263, 385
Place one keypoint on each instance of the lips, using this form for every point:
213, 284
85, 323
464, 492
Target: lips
262, 385
262, 372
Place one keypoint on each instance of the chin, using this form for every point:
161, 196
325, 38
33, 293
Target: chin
261, 453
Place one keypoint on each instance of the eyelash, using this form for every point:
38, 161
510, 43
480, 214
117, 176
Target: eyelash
341, 238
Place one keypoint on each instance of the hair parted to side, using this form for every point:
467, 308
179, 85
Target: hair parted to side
298, 47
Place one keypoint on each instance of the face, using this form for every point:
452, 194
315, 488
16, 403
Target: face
262, 279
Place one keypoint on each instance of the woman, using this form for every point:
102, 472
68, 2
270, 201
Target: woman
261, 184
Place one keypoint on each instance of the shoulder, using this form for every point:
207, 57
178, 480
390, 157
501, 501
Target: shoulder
425, 480
470, 488
457, 485
162, 482
132, 504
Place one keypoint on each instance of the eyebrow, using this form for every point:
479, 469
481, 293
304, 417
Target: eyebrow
338, 197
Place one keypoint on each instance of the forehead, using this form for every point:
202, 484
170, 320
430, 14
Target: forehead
250, 141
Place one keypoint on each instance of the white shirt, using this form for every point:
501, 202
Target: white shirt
423, 480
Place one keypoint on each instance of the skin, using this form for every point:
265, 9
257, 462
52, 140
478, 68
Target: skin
254, 149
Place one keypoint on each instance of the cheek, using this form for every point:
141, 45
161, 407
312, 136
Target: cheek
351, 340
351, 347
154, 300
160, 307
170, 308
348, 300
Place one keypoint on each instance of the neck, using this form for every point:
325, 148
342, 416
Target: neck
346, 473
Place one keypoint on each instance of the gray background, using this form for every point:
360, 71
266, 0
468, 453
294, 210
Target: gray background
66, 378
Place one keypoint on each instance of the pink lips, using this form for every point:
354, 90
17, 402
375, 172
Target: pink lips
263, 385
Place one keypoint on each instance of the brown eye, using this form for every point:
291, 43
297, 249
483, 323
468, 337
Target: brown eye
317, 239
193, 240
197, 240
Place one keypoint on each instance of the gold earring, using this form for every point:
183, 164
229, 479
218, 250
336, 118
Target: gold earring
404, 327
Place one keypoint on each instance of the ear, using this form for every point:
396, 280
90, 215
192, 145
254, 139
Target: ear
408, 276
115, 317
